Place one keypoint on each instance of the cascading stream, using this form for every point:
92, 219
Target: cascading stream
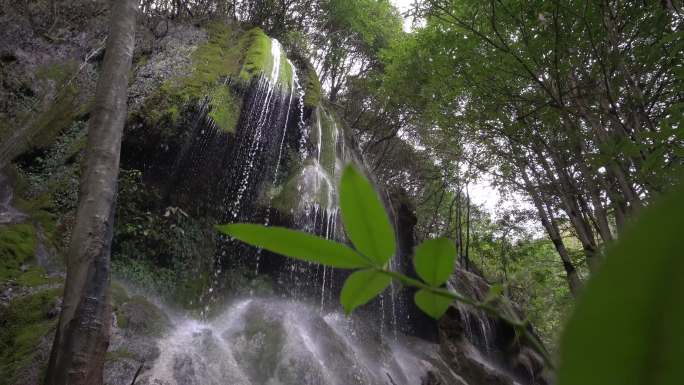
275, 341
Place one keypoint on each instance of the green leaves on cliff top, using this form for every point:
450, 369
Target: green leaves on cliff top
296, 244
434, 260
628, 327
364, 217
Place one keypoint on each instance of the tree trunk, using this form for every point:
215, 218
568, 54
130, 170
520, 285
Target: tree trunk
82, 336
551, 227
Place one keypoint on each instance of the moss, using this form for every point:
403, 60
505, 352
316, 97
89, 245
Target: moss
62, 111
227, 54
119, 293
23, 325
40, 210
286, 71
34, 276
312, 87
328, 142
141, 317
225, 109
218, 59
257, 57
17, 248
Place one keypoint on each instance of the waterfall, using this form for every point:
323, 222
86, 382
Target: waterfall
243, 174
273, 341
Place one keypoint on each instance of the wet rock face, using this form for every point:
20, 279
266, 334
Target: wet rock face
137, 325
484, 350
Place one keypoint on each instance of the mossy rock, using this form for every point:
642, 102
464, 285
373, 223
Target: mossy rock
213, 62
57, 114
24, 325
331, 131
17, 250
312, 87
142, 317
257, 57
118, 293
225, 108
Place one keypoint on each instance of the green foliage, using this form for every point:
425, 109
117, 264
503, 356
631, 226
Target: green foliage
161, 249
434, 260
628, 327
296, 244
361, 287
365, 219
23, 325
434, 305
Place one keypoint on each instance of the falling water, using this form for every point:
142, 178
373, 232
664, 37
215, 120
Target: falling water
272, 341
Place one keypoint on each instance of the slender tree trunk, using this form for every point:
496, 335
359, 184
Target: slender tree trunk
82, 336
551, 227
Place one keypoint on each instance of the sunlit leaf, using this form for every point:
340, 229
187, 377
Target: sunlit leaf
364, 217
361, 287
432, 304
434, 260
296, 244
628, 327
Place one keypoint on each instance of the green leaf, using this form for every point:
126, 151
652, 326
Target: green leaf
361, 287
628, 326
296, 244
432, 304
364, 217
434, 260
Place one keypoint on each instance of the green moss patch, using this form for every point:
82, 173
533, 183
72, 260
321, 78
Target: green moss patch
257, 57
225, 109
286, 71
17, 248
141, 317
23, 325
329, 129
228, 53
60, 113
213, 62
312, 87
